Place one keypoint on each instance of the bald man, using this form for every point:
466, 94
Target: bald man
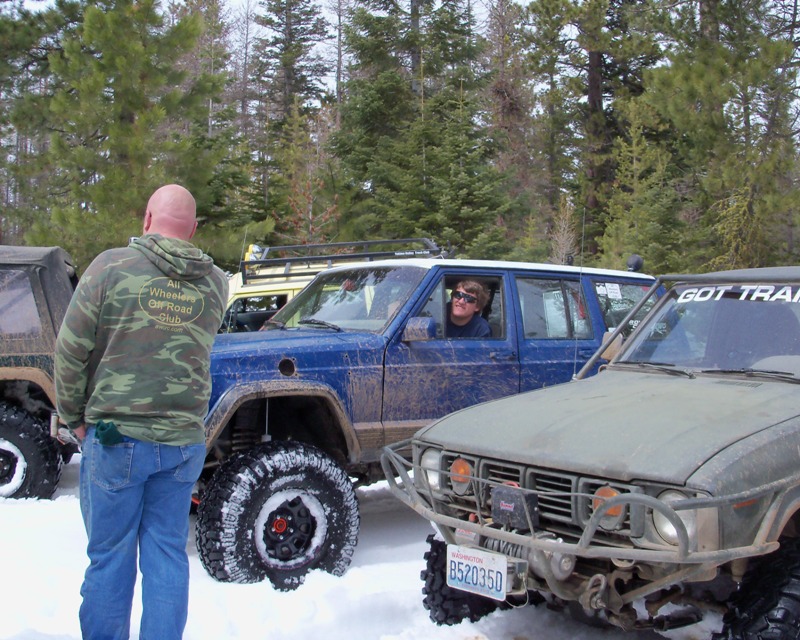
171, 212
133, 384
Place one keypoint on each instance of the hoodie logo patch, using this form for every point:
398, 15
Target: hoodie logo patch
170, 302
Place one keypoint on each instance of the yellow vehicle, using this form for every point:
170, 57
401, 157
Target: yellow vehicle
269, 277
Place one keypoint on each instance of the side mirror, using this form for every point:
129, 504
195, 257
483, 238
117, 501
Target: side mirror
418, 329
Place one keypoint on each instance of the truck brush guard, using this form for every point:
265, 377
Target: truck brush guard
432, 504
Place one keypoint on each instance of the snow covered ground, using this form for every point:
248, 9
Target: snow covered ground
42, 557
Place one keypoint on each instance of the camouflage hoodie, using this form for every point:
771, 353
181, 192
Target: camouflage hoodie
134, 345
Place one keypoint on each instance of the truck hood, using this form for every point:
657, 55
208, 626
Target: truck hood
619, 424
227, 344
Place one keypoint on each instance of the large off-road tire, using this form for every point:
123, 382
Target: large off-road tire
30, 460
444, 604
767, 606
277, 511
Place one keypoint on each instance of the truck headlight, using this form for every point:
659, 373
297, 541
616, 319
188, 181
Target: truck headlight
665, 528
430, 461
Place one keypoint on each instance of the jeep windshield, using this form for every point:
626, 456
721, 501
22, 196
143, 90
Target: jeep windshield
748, 329
362, 299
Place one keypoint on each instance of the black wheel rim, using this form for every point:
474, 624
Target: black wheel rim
289, 530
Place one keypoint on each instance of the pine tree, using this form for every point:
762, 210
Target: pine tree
514, 129
290, 69
380, 102
309, 213
542, 137
27, 39
241, 91
438, 181
114, 113
643, 199
729, 97
288, 74
585, 57
410, 135
218, 169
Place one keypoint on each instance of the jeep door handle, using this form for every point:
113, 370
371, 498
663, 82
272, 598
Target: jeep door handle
503, 355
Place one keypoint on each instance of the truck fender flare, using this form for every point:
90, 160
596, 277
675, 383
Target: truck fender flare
34, 375
787, 509
238, 394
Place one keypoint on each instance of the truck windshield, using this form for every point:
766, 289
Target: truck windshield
363, 299
722, 327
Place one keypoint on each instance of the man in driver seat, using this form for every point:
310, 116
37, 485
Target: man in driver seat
464, 318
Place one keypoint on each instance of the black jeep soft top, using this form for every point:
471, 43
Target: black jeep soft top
36, 285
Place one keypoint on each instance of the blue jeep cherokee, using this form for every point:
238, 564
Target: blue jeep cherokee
301, 410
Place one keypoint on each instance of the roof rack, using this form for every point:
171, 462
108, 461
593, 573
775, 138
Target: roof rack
323, 256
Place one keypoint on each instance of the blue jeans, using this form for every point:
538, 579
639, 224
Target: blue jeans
136, 496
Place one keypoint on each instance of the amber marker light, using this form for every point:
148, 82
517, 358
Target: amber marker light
460, 472
603, 494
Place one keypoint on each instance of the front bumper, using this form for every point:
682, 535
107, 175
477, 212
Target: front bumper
422, 499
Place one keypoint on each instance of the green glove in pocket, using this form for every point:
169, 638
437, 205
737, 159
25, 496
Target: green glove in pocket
107, 433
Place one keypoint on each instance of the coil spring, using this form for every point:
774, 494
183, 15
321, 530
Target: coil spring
244, 437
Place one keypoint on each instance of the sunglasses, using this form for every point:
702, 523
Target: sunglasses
466, 297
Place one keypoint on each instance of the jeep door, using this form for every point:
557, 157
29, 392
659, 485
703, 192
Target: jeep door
427, 379
563, 319
556, 335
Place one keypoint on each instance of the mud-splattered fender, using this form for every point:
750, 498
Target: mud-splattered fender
34, 375
782, 516
236, 395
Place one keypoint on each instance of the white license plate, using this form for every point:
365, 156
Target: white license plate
476, 571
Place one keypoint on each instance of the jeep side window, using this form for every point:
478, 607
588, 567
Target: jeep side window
18, 314
553, 309
617, 299
493, 312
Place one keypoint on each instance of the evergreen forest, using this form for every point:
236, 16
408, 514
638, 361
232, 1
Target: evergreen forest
565, 131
